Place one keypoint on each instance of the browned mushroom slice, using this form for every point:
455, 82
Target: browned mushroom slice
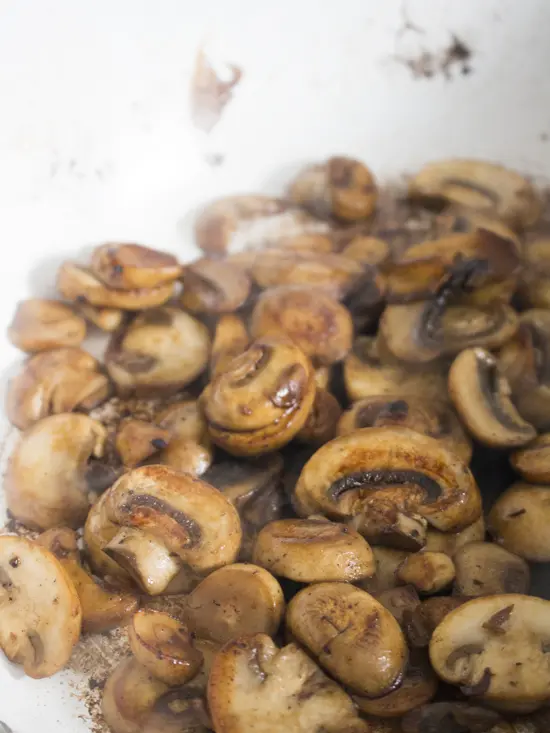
320, 426
480, 394
519, 521
133, 266
449, 542
478, 186
420, 623
428, 572
533, 461
340, 187
40, 612
418, 688
262, 400
484, 569
230, 340
309, 551
164, 646
79, 283
312, 242
189, 448
453, 717
400, 602
323, 377
387, 560
101, 609
40, 324
496, 649
365, 300
46, 480
534, 289
137, 440
392, 482
254, 685
161, 351
214, 286
348, 631
107, 319
315, 321
368, 251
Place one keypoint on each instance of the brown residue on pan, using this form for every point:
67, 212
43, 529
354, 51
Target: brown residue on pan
209, 94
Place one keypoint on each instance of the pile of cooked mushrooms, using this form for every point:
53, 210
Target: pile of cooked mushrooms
278, 441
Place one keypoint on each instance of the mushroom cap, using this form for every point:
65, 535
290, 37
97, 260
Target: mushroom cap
40, 612
189, 448
428, 572
368, 251
420, 622
230, 340
255, 686
214, 286
449, 542
107, 319
400, 601
484, 568
387, 560
320, 426
59, 496
137, 440
496, 648
533, 461
133, 266
39, 324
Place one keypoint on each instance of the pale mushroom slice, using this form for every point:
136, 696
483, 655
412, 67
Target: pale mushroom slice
451, 717
137, 440
160, 352
320, 426
497, 649
479, 186
450, 542
420, 622
347, 631
39, 324
230, 340
46, 481
255, 686
106, 319
133, 266
533, 461
214, 286
392, 482
164, 646
481, 396
484, 569
40, 613
519, 521
188, 447
429, 572
235, 600
101, 609
311, 550
387, 560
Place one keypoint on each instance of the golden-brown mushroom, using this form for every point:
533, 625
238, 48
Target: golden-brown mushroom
400, 601
310, 551
46, 480
453, 716
106, 319
450, 542
40, 612
133, 266
214, 286
368, 251
420, 622
262, 400
534, 289
428, 572
39, 325
230, 340
189, 448
387, 560
533, 461
137, 440
340, 187
320, 426
480, 394
309, 242
484, 569
348, 631
53, 382
161, 351
254, 685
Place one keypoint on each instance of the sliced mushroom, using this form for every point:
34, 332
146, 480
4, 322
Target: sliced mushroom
214, 286
400, 602
533, 461
323, 377
534, 290
133, 266
519, 521
368, 251
392, 482
189, 448
310, 551
53, 382
262, 400
79, 283
46, 480
450, 542
137, 440
164, 646
320, 426
39, 325
428, 572
496, 649
101, 610
107, 319
40, 612
452, 717
484, 569
365, 300
230, 340
161, 351
387, 560
310, 242
254, 685
420, 622
478, 186
162, 527
480, 394
340, 187
348, 631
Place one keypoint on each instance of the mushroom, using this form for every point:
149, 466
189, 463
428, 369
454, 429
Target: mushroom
230, 340
161, 351
137, 440
235, 600
365, 301
133, 266
347, 631
309, 242
323, 377
435, 419
452, 717
262, 400
479, 186
320, 426
392, 482
254, 685
313, 550
496, 649
428, 572
421, 621
340, 187
101, 609
160, 526
534, 290
164, 646
449, 542
310, 317
519, 520
106, 319
39, 325
400, 602
533, 461
367, 251
387, 560
480, 394
214, 286
484, 569
53, 382
79, 283
188, 448
40, 612
46, 480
